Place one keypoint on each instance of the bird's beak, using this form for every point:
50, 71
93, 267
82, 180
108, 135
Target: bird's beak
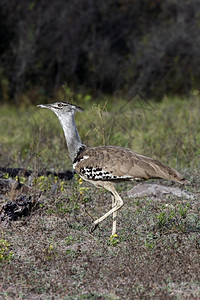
44, 106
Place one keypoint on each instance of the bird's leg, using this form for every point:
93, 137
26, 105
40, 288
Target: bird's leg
114, 216
118, 205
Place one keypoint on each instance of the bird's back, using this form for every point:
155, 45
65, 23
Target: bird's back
119, 164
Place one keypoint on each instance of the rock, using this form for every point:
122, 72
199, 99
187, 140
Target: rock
156, 190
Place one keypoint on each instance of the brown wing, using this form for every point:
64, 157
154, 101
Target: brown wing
117, 163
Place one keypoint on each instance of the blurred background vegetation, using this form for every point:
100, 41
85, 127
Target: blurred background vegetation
100, 47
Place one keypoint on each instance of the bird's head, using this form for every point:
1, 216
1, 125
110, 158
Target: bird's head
61, 108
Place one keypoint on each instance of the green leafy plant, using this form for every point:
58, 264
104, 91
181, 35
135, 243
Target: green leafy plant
44, 182
6, 176
5, 253
150, 240
113, 240
172, 218
83, 191
49, 252
182, 210
20, 179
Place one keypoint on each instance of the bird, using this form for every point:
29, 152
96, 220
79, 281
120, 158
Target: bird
105, 166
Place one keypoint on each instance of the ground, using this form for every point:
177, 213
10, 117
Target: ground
51, 254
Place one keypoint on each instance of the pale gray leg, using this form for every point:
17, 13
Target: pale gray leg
118, 204
114, 217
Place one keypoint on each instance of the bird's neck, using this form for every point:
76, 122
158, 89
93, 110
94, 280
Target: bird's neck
74, 143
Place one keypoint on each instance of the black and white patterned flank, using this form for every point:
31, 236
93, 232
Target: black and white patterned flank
96, 173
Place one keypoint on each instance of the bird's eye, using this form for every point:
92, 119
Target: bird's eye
60, 105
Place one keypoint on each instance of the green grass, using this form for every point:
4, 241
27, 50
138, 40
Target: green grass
51, 253
169, 131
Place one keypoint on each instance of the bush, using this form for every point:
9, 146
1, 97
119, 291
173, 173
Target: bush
103, 46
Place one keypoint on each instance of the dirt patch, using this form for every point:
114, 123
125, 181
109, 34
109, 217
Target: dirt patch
55, 257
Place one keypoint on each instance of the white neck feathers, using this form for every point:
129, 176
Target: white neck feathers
72, 137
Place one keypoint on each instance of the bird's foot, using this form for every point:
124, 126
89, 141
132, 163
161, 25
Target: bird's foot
93, 227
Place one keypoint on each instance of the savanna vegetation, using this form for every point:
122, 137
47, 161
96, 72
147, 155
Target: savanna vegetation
50, 254
133, 66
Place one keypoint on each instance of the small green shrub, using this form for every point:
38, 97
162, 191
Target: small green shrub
113, 240
150, 240
5, 253
172, 218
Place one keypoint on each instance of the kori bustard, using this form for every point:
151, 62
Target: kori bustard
105, 166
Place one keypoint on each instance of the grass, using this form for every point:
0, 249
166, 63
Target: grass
169, 131
50, 254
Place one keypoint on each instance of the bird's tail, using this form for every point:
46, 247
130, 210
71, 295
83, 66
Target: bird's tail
166, 172
177, 177
183, 181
